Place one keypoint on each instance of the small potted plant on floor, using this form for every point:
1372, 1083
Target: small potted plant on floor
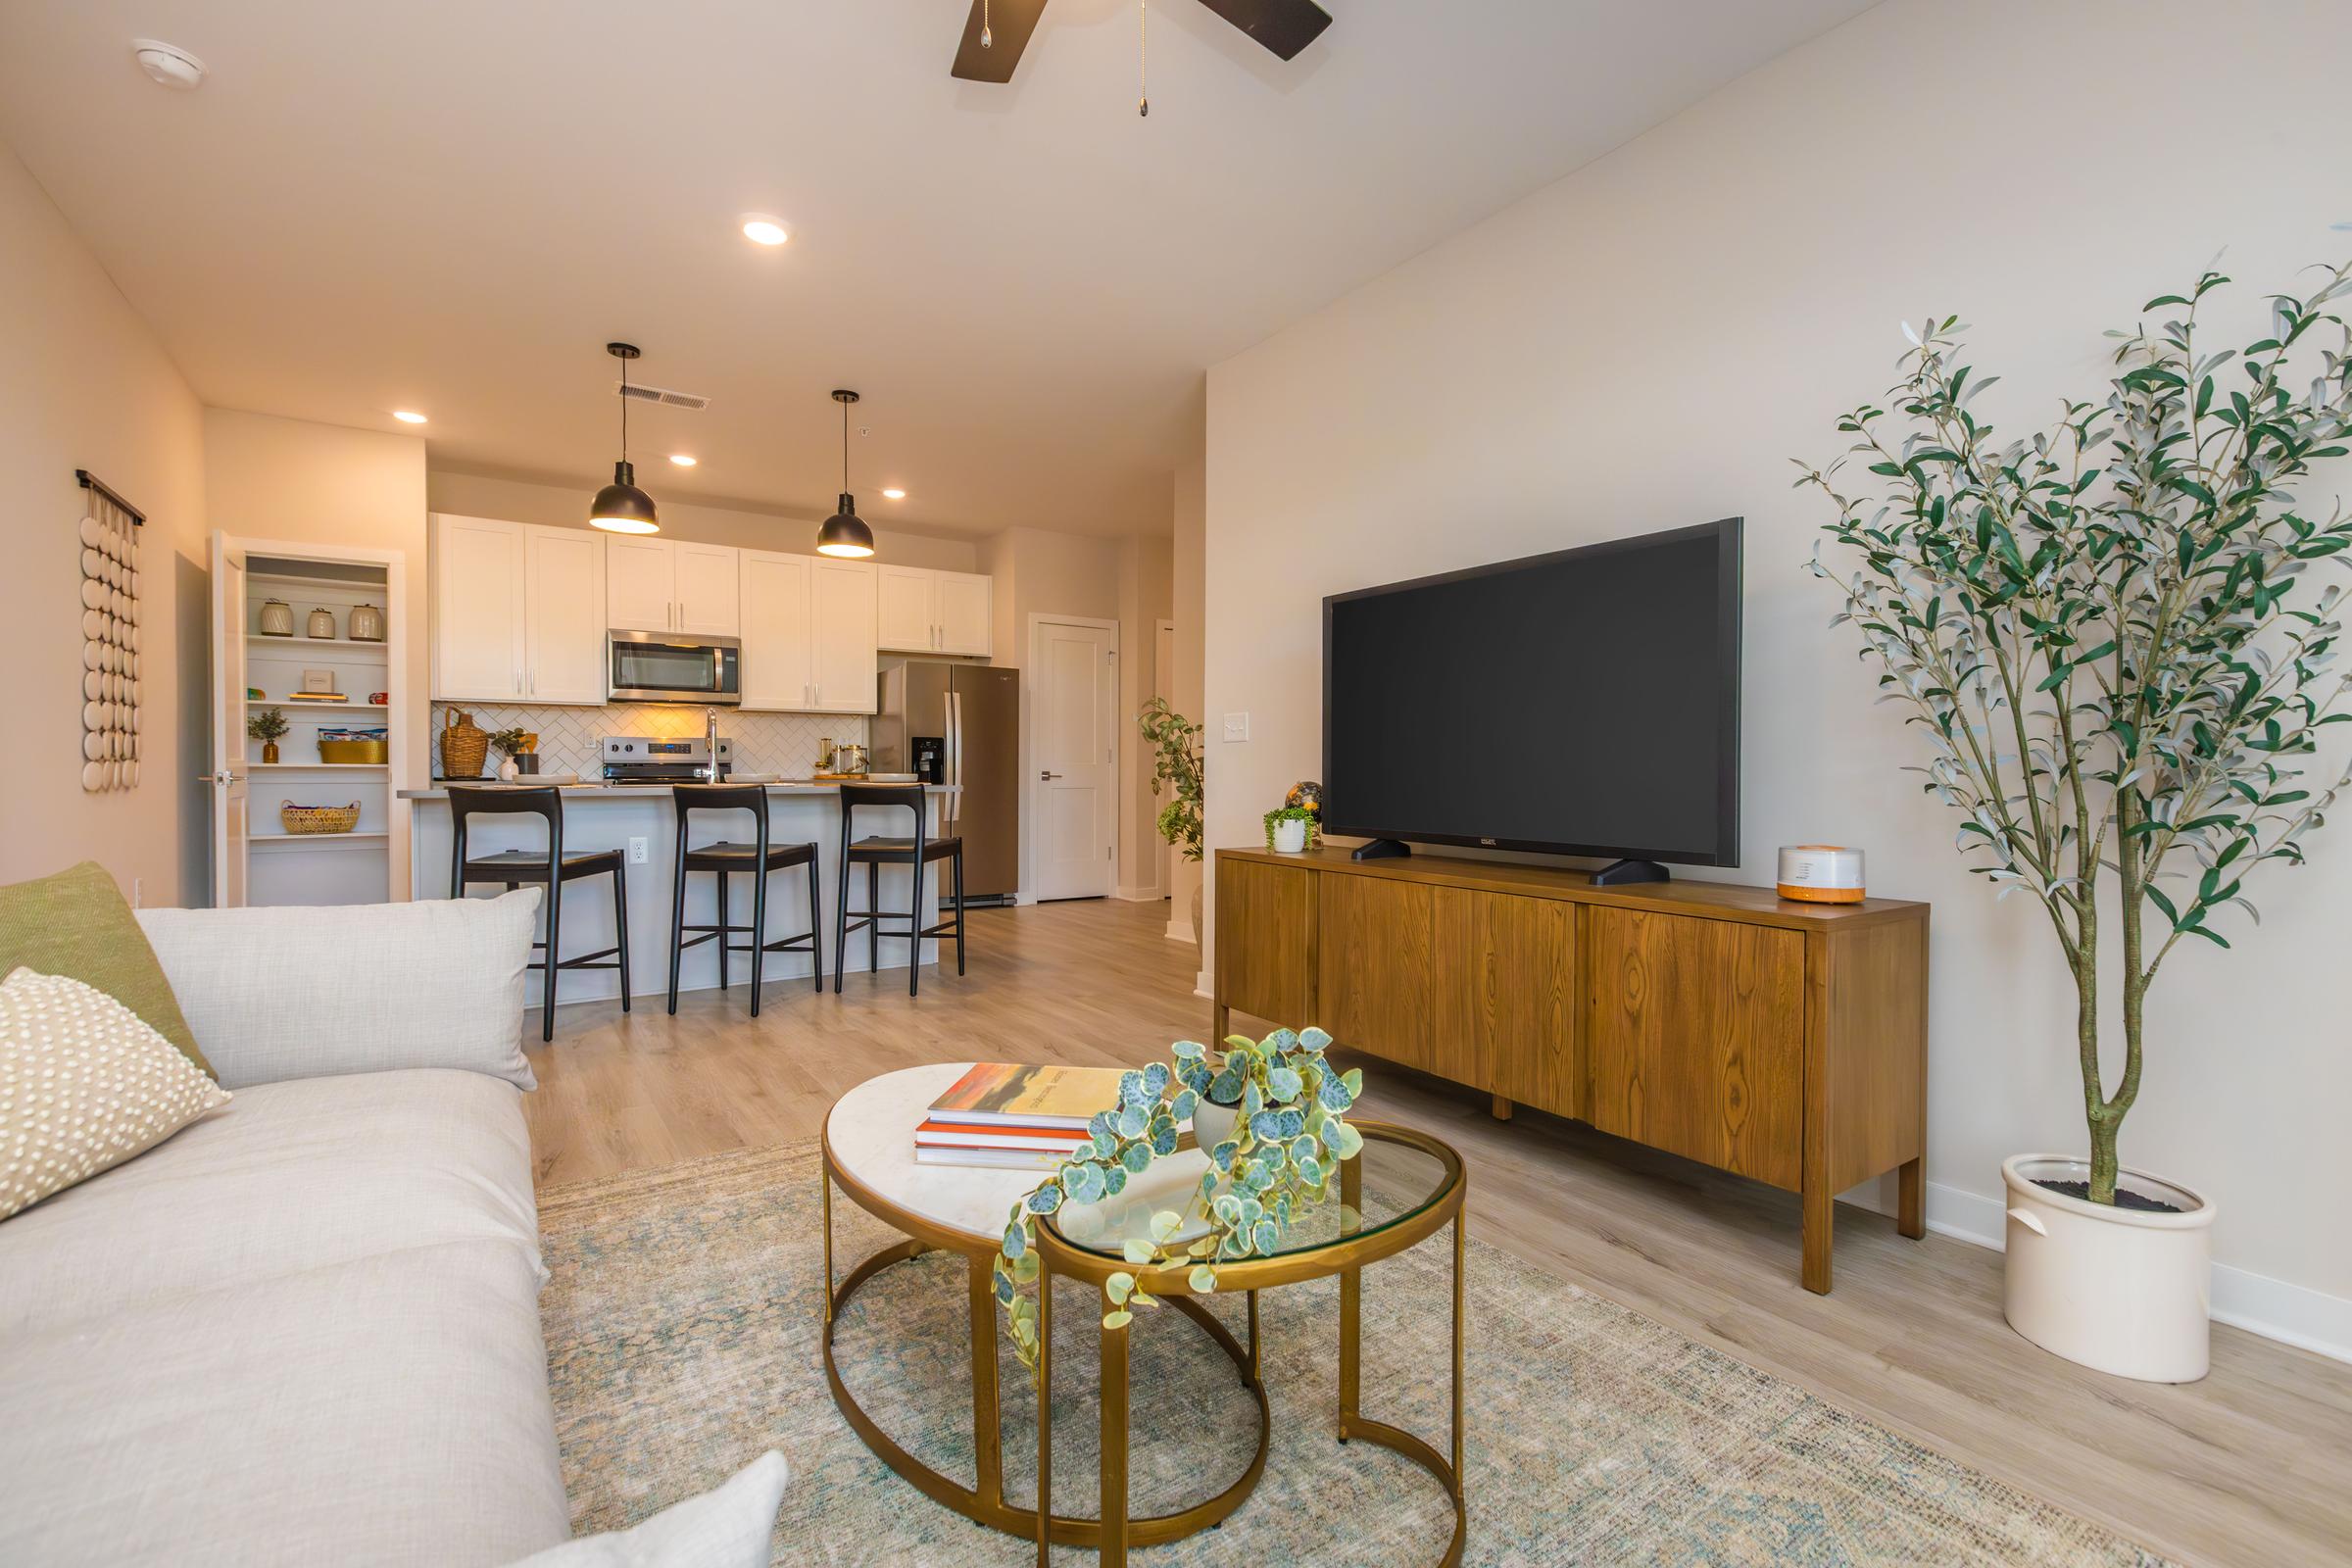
2115, 640
1176, 773
269, 726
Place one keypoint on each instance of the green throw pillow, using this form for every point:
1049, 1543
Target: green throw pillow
77, 924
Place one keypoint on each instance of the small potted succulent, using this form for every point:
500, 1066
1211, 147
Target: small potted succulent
513, 746
1270, 1116
269, 726
1289, 829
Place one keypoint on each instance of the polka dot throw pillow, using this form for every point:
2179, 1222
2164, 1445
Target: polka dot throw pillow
86, 1084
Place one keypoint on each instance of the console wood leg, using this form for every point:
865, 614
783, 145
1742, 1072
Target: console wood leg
1819, 1202
1912, 1208
1502, 1107
1220, 1024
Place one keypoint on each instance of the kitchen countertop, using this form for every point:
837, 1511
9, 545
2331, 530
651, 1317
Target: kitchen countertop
774, 786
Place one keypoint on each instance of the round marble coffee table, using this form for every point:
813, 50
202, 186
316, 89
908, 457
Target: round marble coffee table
869, 1155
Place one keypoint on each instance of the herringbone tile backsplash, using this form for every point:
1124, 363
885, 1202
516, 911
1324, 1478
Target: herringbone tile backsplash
571, 738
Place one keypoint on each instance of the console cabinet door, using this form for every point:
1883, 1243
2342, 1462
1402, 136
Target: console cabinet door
1505, 995
1695, 1030
1266, 937
1375, 973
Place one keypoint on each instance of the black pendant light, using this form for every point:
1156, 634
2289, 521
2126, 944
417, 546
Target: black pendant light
844, 534
620, 507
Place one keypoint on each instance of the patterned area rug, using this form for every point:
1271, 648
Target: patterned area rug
683, 1338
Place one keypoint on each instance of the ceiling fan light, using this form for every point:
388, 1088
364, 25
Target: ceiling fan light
622, 507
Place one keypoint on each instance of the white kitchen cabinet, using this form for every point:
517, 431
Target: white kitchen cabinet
905, 620
640, 584
672, 585
709, 599
807, 634
843, 612
966, 616
926, 612
563, 617
516, 614
777, 644
478, 608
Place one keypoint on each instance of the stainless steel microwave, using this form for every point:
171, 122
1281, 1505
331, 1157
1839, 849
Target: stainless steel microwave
658, 666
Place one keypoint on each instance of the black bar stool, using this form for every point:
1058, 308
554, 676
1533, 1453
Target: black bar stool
758, 858
510, 869
874, 854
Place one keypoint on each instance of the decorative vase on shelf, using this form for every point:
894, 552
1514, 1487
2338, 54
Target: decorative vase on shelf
322, 625
277, 618
508, 771
268, 750
365, 623
1290, 837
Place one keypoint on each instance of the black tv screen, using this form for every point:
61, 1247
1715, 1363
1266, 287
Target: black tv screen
1580, 703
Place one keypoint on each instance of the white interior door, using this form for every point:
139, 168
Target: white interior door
228, 776
776, 674
563, 617
1075, 748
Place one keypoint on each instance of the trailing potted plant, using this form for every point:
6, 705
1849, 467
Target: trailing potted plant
1269, 1114
2110, 638
1289, 829
269, 726
1176, 772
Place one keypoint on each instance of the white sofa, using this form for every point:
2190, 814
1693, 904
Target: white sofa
305, 1329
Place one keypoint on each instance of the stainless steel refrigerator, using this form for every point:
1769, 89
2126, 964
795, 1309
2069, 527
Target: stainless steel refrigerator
962, 724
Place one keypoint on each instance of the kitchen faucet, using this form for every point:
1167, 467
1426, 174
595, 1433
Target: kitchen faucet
710, 768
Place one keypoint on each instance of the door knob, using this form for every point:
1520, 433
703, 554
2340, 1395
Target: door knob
1048, 777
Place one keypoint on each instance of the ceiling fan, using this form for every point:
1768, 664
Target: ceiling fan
1283, 27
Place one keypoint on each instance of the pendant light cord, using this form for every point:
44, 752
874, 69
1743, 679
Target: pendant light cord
845, 449
1143, 58
625, 411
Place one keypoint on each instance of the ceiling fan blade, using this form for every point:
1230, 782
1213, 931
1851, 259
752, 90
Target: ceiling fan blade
1009, 25
1285, 27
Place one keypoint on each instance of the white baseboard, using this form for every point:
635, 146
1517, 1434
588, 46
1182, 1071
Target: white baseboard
1138, 895
2292, 1314
1181, 930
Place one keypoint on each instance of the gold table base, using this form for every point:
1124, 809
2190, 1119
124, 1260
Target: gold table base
985, 1503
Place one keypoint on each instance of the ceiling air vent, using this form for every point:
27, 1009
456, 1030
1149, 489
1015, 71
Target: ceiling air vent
661, 395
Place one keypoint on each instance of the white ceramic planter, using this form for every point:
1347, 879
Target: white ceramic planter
2119, 1290
1290, 837
1212, 1124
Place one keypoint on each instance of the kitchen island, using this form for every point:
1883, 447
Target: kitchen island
638, 819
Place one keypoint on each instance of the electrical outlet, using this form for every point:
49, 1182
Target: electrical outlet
1237, 726
638, 852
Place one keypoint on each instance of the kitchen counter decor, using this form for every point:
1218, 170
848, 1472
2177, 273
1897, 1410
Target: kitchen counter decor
365, 623
307, 819
110, 648
464, 744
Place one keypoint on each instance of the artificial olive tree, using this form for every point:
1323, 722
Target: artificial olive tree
2110, 633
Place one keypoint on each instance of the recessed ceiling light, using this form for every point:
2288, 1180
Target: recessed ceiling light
895, 495
681, 460
762, 229
408, 417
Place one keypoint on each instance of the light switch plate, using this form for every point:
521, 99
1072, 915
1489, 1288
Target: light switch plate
1237, 726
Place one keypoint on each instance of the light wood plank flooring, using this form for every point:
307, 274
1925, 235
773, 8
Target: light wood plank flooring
2253, 1465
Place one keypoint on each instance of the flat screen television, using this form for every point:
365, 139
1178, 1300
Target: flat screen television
1581, 703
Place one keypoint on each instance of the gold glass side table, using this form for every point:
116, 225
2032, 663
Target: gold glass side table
869, 1155
1416, 1185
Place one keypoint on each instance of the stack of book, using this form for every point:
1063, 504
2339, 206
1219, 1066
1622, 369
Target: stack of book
1007, 1117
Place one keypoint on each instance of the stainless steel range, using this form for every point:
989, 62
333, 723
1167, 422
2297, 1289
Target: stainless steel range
642, 759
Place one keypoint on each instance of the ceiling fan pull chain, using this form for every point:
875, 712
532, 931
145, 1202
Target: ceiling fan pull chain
1142, 57
986, 39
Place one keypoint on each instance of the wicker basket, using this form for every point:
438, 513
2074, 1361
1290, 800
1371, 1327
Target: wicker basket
319, 818
464, 744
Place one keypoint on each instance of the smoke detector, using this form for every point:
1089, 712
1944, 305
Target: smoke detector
168, 64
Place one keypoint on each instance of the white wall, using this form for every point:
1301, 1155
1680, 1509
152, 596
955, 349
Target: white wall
1646, 343
85, 385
